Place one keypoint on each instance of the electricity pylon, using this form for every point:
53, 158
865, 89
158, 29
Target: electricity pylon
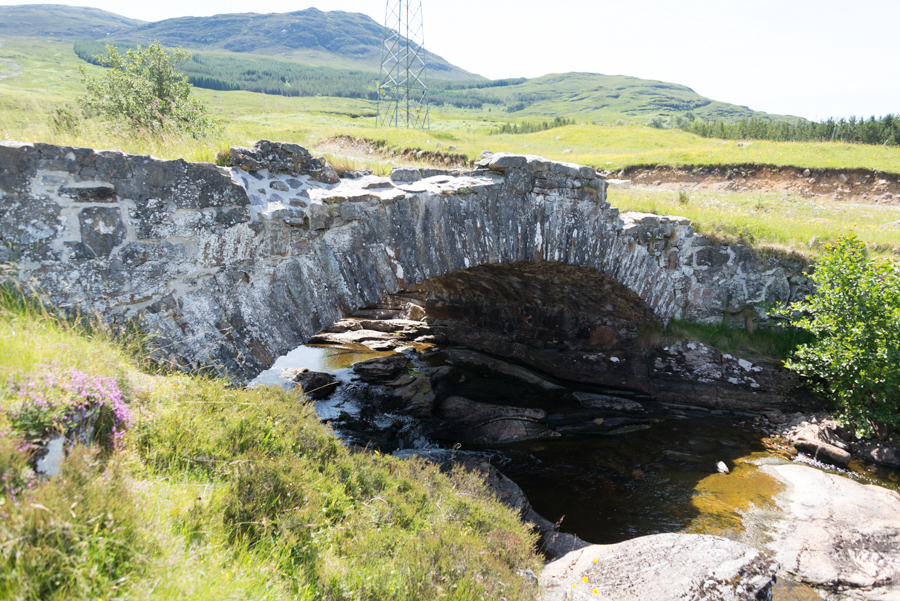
403, 91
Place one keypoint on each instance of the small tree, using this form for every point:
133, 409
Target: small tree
855, 317
145, 89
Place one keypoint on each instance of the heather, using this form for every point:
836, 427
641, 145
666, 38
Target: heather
189, 487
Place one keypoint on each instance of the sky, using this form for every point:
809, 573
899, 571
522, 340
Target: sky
810, 58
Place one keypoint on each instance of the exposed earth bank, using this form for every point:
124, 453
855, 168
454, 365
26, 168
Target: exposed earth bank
854, 185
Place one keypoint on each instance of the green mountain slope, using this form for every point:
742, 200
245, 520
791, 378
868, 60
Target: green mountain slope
594, 97
54, 20
334, 39
337, 54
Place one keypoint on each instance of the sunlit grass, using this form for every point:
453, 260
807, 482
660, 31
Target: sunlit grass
787, 221
222, 492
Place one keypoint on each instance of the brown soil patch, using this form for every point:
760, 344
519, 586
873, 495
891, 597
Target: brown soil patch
854, 185
359, 148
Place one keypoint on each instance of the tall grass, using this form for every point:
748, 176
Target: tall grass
785, 221
218, 492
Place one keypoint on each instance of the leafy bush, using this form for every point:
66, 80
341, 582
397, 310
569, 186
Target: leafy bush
145, 88
855, 317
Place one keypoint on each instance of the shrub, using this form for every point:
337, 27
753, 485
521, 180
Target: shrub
145, 89
855, 317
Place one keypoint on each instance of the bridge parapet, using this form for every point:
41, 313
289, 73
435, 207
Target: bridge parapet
239, 265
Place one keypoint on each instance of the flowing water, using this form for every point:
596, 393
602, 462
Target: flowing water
656, 476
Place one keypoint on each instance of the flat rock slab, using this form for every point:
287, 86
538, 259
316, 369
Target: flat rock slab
661, 567
606, 402
838, 536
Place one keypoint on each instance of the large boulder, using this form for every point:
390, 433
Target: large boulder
662, 567
837, 535
316, 385
822, 443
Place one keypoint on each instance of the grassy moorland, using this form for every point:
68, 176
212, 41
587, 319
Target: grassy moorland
771, 219
206, 491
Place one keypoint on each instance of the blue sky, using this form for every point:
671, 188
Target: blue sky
810, 58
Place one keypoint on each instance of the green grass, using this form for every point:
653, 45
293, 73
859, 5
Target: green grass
788, 222
218, 492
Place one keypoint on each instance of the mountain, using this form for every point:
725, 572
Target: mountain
311, 52
58, 21
334, 39
591, 96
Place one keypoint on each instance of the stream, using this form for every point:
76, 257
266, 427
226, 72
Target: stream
644, 476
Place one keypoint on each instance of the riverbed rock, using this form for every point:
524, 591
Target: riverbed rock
821, 442
466, 356
881, 453
415, 393
838, 536
661, 567
470, 422
381, 369
377, 341
607, 403
316, 385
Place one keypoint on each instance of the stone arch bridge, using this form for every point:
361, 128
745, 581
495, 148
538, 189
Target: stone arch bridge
237, 265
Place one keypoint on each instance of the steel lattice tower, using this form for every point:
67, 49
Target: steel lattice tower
402, 91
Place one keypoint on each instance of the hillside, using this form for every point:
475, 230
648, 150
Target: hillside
334, 39
337, 54
58, 21
595, 97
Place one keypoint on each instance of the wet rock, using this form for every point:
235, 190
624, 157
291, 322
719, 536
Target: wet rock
607, 403
377, 341
820, 441
880, 453
470, 422
415, 393
316, 385
837, 535
662, 567
465, 356
382, 369
553, 543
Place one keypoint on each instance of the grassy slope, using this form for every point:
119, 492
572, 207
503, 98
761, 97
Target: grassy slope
220, 492
594, 97
51, 78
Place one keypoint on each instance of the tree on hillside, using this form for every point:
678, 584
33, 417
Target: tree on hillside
145, 89
855, 317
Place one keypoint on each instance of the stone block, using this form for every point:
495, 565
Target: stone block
102, 230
